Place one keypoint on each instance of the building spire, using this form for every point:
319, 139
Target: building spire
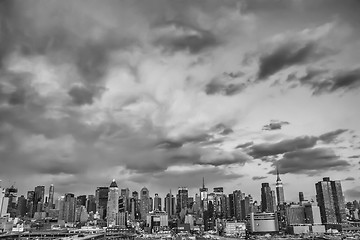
277, 174
203, 183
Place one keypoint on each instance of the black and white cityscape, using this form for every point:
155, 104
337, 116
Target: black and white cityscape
181, 119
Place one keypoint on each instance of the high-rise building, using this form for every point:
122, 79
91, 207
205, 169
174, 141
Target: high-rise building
101, 199
21, 206
182, 199
30, 197
301, 197
151, 204
39, 198
134, 206
112, 204
51, 196
11, 194
81, 200
69, 208
91, 204
125, 195
279, 189
330, 200
295, 214
144, 203
157, 202
266, 198
237, 197
170, 204
312, 213
203, 196
245, 207
4, 201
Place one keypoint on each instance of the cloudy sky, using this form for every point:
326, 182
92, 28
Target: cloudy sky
162, 93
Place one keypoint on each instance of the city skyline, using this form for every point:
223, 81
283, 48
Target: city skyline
162, 94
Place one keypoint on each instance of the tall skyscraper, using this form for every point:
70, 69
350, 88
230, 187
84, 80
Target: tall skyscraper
182, 199
101, 198
39, 198
157, 202
279, 189
51, 196
203, 196
11, 194
3, 201
91, 204
170, 205
134, 206
237, 197
21, 206
30, 197
69, 208
330, 200
266, 198
144, 203
112, 204
125, 195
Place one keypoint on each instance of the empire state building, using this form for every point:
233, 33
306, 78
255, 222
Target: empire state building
279, 189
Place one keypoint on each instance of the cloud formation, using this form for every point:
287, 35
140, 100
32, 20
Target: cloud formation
310, 162
288, 145
275, 125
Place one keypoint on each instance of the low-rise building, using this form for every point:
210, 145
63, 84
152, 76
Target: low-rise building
262, 223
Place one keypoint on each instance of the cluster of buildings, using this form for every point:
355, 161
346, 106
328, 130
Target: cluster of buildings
227, 214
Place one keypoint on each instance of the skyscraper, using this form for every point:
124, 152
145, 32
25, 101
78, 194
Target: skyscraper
237, 197
11, 194
39, 198
30, 203
182, 199
203, 196
91, 204
51, 196
112, 204
279, 189
144, 203
101, 199
266, 198
330, 200
21, 206
157, 202
69, 208
170, 204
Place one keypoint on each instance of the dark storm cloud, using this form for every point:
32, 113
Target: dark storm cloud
310, 161
258, 177
354, 156
204, 138
288, 145
224, 89
349, 179
325, 81
222, 129
275, 125
177, 143
245, 145
81, 95
61, 34
288, 54
344, 80
329, 137
177, 36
